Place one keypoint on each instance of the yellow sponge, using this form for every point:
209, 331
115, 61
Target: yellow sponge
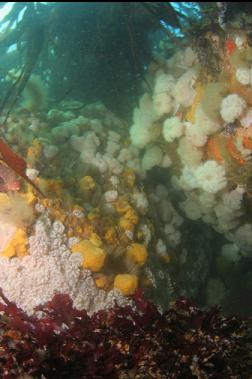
138, 253
102, 282
126, 283
93, 256
17, 246
87, 183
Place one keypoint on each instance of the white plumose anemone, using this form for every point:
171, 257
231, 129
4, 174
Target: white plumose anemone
173, 128
211, 177
232, 107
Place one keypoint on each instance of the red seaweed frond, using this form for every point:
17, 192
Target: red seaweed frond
16, 163
182, 342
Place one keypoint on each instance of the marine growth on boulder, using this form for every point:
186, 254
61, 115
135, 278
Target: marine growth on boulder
100, 212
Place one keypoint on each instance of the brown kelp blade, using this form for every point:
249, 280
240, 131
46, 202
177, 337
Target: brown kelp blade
16, 163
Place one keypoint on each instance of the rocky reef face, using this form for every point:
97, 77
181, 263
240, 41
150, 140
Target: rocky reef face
164, 206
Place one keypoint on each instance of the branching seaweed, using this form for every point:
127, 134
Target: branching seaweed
35, 36
99, 49
184, 342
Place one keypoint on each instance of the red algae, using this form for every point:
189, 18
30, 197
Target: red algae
183, 342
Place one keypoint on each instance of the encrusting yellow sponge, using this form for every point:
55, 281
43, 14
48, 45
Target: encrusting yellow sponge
138, 253
126, 283
93, 256
87, 183
17, 246
95, 239
102, 282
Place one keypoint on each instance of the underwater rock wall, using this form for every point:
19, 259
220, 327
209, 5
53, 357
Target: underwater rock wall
165, 205
95, 194
201, 125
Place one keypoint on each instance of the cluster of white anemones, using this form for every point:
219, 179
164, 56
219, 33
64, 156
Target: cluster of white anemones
51, 268
158, 124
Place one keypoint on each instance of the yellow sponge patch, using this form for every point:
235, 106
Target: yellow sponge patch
138, 253
17, 246
87, 183
93, 256
126, 283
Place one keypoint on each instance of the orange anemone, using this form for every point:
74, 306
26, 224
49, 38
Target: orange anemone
234, 152
247, 137
214, 150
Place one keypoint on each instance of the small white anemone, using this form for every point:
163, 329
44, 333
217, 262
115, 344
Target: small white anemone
196, 134
232, 107
243, 75
211, 177
172, 129
152, 157
187, 179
